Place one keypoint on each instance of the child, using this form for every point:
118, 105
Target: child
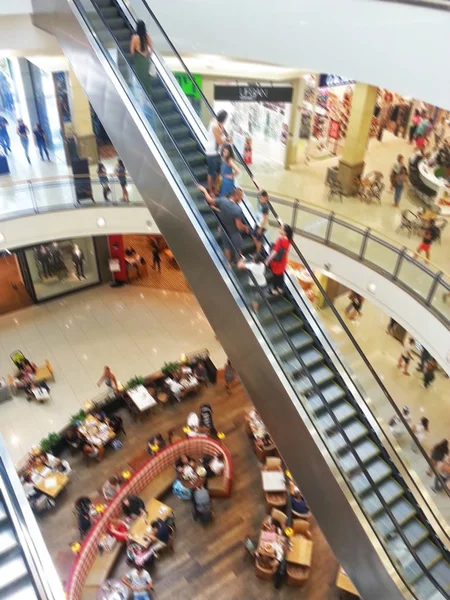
258, 269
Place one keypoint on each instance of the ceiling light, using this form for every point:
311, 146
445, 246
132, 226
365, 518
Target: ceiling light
101, 222
372, 287
2, 237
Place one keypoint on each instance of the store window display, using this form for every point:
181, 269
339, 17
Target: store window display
59, 267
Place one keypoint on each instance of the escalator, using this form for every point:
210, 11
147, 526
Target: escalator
26, 572
398, 549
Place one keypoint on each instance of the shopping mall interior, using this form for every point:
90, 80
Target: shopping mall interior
225, 301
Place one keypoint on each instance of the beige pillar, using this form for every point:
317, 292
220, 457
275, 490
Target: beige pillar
352, 160
298, 91
82, 122
208, 92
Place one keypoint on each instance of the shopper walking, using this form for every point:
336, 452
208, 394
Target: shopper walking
400, 181
229, 375
104, 180
421, 430
216, 138
141, 48
395, 171
443, 469
121, 175
5, 141
354, 308
438, 454
429, 373
109, 379
23, 132
424, 356
156, 255
41, 141
430, 234
414, 123
406, 355
228, 170
278, 259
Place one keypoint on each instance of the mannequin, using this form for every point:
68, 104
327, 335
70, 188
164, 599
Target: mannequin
43, 256
78, 261
57, 259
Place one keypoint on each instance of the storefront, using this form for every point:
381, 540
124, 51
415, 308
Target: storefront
13, 293
258, 118
59, 267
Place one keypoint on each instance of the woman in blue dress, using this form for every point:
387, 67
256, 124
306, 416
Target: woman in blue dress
228, 170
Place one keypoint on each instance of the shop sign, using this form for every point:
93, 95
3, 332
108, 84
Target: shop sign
253, 93
333, 131
187, 84
328, 80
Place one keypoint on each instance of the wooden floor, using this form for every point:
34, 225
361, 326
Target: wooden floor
209, 562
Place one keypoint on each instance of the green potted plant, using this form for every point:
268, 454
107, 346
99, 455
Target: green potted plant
78, 417
135, 381
170, 368
47, 444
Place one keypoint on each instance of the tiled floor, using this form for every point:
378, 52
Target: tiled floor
133, 330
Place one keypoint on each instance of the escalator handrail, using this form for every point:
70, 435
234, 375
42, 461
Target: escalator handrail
300, 255
209, 235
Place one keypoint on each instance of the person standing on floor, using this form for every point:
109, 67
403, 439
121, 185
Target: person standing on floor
109, 379
438, 453
229, 375
421, 430
121, 174
216, 138
400, 181
231, 218
414, 123
228, 170
141, 47
429, 373
23, 132
5, 142
430, 234
406, 355
156, 255
354, 308
78, 261
424, 356
278, 259
41, 141
396, 168
439, 131
104, 181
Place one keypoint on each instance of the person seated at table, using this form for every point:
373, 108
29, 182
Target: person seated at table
214, 465
133, 506
201, 373
188, 381
29, 384
101, 417
110, 488
182, 462
74, 438
25, 366
38, 501
52, 462
298, 503
155, 444
264, 442
139, 582
160, 534
116, 424
175, 387
93, 451
269, 532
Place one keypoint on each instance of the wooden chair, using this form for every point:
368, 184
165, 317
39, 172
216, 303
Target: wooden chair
275, 500
301, 528
273, 463
305, 517
263, 572
297, 574
279, 516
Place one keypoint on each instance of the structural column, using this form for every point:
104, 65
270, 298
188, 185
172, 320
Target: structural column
298, 91
352, 162
82, 121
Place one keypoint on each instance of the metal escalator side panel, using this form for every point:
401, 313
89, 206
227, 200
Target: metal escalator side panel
225, 309
40, 573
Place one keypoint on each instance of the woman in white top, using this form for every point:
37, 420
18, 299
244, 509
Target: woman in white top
406, 355
421, 431
258, 269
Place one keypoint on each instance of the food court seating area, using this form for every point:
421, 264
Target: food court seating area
152, 480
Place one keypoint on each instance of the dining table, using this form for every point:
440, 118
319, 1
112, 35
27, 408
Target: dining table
96, 432
141, 398
299, 551
49, 481
140, 529
273, 481
344, 583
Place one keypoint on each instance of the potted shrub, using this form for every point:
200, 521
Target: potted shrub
170, 368
47, 444
135, 381
78, 417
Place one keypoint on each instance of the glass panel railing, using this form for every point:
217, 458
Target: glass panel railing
183, 174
